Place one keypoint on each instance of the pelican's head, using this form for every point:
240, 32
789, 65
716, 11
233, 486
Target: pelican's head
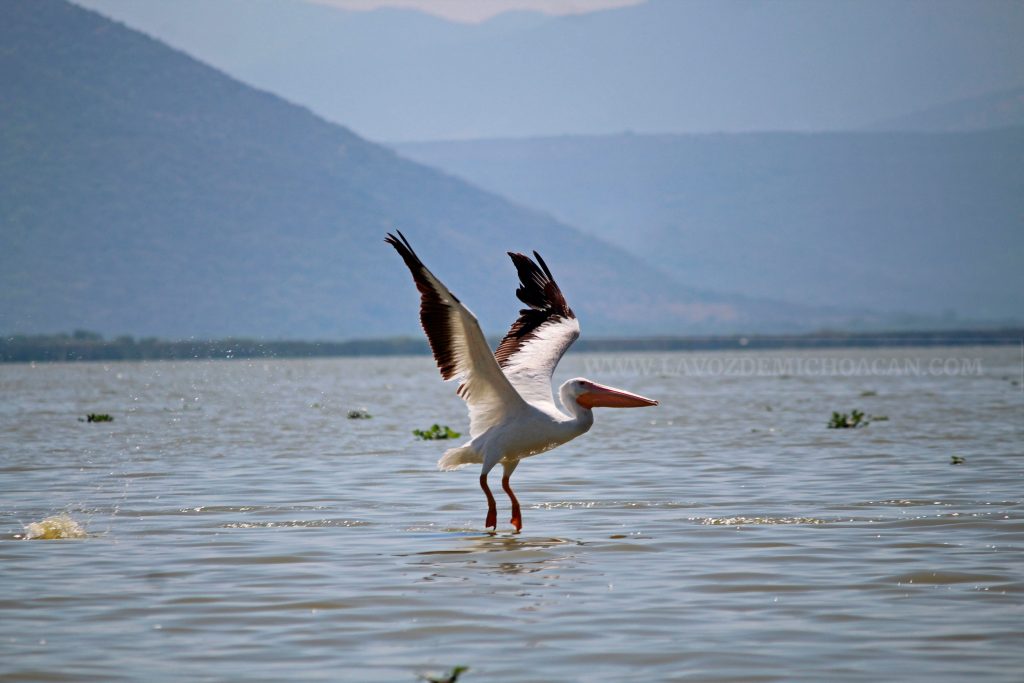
593, 395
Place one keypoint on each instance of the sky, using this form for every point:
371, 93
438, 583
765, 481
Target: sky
475, 11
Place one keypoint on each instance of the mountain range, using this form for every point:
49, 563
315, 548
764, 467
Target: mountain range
143, 192
656, 67
1001, 109
894, 221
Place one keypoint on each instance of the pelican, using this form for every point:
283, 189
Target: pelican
512, 413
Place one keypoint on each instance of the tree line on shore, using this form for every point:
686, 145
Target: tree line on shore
84, 345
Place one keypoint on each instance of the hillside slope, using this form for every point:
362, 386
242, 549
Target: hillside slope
1002, 109
925, 223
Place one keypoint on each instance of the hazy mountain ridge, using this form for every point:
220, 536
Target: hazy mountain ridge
659, 66
927, 223
143, 192
1002, 109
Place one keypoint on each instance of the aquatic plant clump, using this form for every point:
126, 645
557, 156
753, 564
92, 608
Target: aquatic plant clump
436, 432
360, 414
847, 421
449, 677
97, 417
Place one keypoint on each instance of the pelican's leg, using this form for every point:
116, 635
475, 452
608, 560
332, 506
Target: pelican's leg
517, 516
492, 509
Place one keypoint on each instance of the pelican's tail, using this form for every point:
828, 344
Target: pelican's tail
454, 458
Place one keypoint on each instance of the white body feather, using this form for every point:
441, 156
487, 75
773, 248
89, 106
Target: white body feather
531, 430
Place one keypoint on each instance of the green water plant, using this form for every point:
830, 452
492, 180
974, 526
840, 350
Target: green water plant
957, 460
97, 417
436, 431
360, 414
448, 677
847, 420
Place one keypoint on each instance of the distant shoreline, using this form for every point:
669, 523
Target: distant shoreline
89, 346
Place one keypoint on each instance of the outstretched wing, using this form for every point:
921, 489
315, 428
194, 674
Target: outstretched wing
459, 347
536, 341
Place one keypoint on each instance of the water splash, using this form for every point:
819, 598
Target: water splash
55, 527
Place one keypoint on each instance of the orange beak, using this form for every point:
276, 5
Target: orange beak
598, 396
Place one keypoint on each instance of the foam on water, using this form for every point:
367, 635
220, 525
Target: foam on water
296, 524
744, 521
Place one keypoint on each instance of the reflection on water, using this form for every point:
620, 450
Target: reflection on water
505, 553
241, 528
498, 543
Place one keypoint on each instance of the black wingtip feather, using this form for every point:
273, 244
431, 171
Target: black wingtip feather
547, 271
539, 291
537, 287
434, 311
401, 244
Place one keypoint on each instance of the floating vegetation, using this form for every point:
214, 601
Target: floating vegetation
359, 414
51, 528
436, 432
957, 460
449, 677
847, 421
868, 392
879, 418
97, 417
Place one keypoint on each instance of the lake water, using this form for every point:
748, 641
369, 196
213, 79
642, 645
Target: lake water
240, 527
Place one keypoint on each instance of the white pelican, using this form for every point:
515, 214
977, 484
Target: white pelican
512, 414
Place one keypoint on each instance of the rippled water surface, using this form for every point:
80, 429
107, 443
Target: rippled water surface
240, 527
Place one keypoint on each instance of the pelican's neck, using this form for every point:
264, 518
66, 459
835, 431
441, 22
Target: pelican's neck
582, 417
